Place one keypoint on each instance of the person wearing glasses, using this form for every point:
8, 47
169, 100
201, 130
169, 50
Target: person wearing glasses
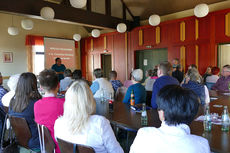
177, 108
222, 83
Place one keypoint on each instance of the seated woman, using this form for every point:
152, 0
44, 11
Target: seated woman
192, 81
113, 79
177, 107
211, 80
22, 105
79, 125
138, 89
150, 82
207, 73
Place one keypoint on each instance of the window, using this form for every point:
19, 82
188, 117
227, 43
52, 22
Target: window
39, 59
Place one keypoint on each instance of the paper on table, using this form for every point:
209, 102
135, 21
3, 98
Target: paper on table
216, 121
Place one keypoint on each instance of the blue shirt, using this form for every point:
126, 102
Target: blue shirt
28, 114
139, 94
160, 83
116, 84
94, 87
60, 68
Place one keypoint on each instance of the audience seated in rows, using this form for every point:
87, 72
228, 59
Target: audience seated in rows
212, 79
222, 83
177, 108
49, 108
113, 79
150, 82
22, 105
12, 84
64, 83
3, 91
79, 124
192, 81
164, 78
101, 86
137, 88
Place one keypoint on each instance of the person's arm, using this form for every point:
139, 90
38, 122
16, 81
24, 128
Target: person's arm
94, 87
127, 96
109, 139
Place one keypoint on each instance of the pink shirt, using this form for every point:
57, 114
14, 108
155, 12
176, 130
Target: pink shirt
46, 111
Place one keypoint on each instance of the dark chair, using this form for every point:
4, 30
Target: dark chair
148, 98
67, 147
21, 130
47, 144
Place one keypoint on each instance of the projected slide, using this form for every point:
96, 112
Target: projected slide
62, 48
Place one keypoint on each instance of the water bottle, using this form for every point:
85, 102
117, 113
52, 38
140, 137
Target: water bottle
144, 117
102, 95
207, 120
225, 120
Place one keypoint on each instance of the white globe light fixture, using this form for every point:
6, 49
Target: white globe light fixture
13, 31
154, 20
27, 24
78, 3
77, 37
201, 10
121, 27
47, 13
95, 33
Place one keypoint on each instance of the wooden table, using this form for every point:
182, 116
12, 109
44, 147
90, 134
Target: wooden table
124, 117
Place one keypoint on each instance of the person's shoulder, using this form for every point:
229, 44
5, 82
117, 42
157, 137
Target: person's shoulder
99, 120
199, 141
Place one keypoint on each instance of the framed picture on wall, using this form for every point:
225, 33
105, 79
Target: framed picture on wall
7, 57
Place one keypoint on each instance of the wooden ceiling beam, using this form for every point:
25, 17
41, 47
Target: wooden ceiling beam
123, 3
88, 5
108, 7
62, 13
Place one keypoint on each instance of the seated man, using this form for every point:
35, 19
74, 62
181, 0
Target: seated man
137, 87
101, 86
113, 79
164, 73
177, 107
64, 83
222, 83
49, 108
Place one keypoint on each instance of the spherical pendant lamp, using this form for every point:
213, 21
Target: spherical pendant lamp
77, 37
154, 20
47, 13
95, 33
27, 24
121, 27
78, 3
201, 10
13, 31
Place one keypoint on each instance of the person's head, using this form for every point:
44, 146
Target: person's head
98, 73
164, 68
209, 70
0, 78
12, 82
154, 72
48, 80
137, 75
215, 70
192, 66
79, 105
77, 74
113, 75
67, 73
175, 62
58, 61
177, 105
226, 71
193, 75
149, 73
26, 90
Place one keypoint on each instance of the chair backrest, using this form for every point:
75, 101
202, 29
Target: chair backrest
209, 85
21, 130
47, 144
67, 147
120, 93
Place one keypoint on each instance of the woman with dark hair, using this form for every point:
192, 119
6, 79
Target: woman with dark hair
22, 105
177, 108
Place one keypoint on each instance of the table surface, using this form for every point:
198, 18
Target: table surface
124, 117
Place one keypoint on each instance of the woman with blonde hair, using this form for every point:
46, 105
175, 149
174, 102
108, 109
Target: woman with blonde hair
193, 82
79, 124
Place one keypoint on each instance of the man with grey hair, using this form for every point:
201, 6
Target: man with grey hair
164, 74
137, 88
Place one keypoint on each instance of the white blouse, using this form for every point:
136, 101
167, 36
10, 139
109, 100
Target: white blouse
168, 139
98, 135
